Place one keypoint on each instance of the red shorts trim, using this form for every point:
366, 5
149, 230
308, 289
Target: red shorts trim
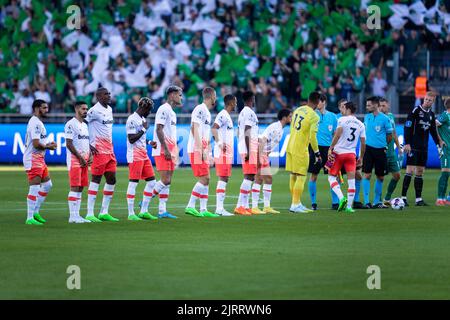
346, 160
223, 165
250, 166
79, 177
140, 170
102, 163
41, 171
200, 167
164, 165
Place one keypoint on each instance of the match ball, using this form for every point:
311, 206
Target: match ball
397, 204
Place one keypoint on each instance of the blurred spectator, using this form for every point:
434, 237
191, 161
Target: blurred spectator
42, 93
379, 85
25, 102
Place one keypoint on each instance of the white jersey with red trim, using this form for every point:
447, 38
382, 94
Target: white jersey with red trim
167, 117
225, 134
136, 151
33, 157
273, 135
247, 117
100, 120
352, 131
202, 117
78, 132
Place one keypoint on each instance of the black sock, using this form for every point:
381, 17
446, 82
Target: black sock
406, 182
418, 185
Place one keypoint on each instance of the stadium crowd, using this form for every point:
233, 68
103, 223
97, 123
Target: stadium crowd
280, 50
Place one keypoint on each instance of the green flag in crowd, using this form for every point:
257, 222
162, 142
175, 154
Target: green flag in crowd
349, 3
309, 86
265, 70
60, 82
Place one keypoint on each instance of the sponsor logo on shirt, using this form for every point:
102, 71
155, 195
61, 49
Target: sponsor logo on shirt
80, 137
108, 121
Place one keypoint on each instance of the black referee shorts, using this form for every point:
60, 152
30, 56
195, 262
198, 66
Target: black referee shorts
315, 167
375, 158
417, 158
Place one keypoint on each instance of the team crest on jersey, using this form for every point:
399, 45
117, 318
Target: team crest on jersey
377, 128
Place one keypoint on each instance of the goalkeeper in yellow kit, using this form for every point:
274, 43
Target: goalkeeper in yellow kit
303, 132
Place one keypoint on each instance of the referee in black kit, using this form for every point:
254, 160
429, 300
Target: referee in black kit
420, 122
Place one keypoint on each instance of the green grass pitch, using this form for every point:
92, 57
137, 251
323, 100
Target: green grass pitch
323, 255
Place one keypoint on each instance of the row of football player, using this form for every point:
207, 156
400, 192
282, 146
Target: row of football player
89, 143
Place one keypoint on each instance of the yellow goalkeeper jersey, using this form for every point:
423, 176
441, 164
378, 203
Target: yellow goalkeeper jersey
303, 132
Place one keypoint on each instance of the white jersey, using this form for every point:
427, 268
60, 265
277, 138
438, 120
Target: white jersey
100, 120
33, 157
352, 131
79, 134
138, 150
202, 117
225, 134
273, 135
247, 117
167, 117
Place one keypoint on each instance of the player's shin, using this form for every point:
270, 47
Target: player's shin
418, 186
108, 192
220, 194
351, 192
72, 200
163, 197
195, 195
334, 184
442, 185
267, 190
391, 187
204, 199
256, 190
42, 194
366, 189
244, 193
357, 189
406, 182
131, 193
92, 195
298, 190
312, 187
31, 200
148, 195
378, 191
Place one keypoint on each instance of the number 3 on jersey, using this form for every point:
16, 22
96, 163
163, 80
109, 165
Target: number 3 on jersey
352, 135
298, 125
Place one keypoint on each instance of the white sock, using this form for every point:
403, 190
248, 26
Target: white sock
244, 193
42, 194
108, 191
92, 195
267, 190
220, 194
163, 197
204, 198
131, 193
72, 199
158, 187
148, 195
195, 194
335, 186
31, 200
256, 190
79, 195
351, 192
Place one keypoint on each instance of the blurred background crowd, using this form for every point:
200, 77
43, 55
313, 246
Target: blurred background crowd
281, 50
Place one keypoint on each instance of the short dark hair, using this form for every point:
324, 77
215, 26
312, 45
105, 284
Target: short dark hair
382, 100
374, 99
341, 101
283, 113
145, 102
79, 104
228, 99
314, 97
173, 88
351, 106
38, 103
247, 96
323, 97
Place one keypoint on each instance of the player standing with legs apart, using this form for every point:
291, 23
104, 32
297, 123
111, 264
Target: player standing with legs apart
139, 164
78, 159
248, 150
443, 123
100, 123
34, 162
327, 127
343, 150
420, 123
303, 132
166, 151
379, 134
268, 142
394, 162
222, 132
199, 148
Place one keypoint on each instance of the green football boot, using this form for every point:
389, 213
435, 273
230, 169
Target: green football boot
93, 219
38, 217
146, 216
32, 221
349, 210
107, 217
134, 218
342, 204
209, 214
193, 212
